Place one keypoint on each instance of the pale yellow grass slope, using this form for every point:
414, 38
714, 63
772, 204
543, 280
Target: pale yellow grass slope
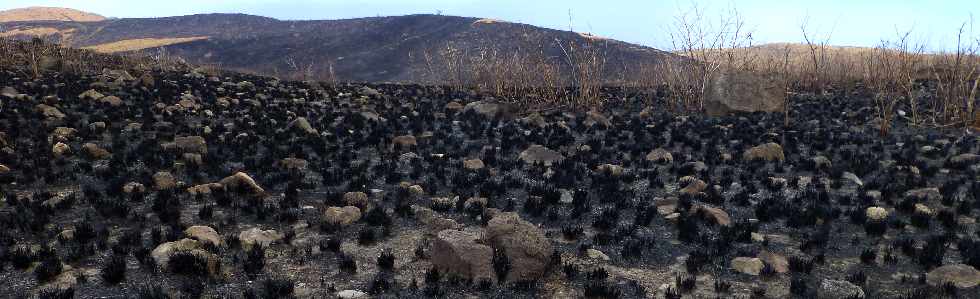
129, 45
48, 14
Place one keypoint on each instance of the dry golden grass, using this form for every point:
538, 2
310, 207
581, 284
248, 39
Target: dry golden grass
38, 31
130, 45
48, 14
487, 21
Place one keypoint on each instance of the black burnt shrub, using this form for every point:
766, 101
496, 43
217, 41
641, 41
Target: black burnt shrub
377, 217
601, 289
597, 274
920, 219
254, 260
367, 236
114, 270
571, 232
380, 284
48, 269
571, 271
501, 264
346, 263
21, 257
188, 263
868, 256
800, 264
277, 287
722, 287
798, 286
685, 283
932, 253
607, 219
59, 293
386, 261
858, 278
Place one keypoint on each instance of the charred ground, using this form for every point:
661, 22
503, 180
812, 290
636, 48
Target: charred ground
149, 184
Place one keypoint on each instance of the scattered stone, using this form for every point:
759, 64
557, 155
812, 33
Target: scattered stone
357, 199
133, 187
342, 216
748, 265
540, 154
352, 294
303, 125
204, 234
660, 155
49, 112
596, 254
693, 187
834, 289
923, 209
206, 188
777, 261
963, 160
95, 152
853, 178
719, 216
254, 236
925, 194
91, 94
292, 164
960, 275
767, 152
821, 162
164, 181
60, 149
473, 164
610, 170
876, 213
405, 141
241, 181
593, 118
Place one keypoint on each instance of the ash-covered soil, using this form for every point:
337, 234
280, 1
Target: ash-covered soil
186, 185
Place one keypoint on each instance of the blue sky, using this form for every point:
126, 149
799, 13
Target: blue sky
847, 22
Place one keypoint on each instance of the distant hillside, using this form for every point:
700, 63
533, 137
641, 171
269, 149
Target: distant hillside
415, 48
48, 14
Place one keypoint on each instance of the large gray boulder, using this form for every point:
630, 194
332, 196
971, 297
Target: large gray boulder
525, 245
460, 253
729, 91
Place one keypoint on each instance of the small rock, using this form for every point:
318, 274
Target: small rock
540, 154
255, 236
352, 294
405, 141
357, 199
164, 181
777, 261
204, 234
960, 275
925, 194
748, 265
660, 155
610, 170
473, 164
342, 216
60, 149
596, 254
834, 289
876, 213
767, 152
241, 181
